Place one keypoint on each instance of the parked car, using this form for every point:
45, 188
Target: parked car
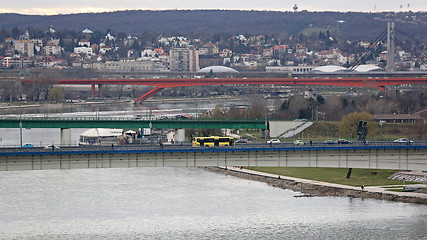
28, 145
273, 141
343, 141
299, 142
403, 140
52, 147
328, 142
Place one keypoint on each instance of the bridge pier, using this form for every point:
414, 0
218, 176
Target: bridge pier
92, 86
99, 90
65, 136
264, 133
179, 136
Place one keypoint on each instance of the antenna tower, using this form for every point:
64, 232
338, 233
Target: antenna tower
295, 7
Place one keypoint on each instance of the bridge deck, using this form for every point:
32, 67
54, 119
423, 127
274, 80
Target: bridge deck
376, 157
117, 122
161, 83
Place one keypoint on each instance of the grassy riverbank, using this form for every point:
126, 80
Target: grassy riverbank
321, 130
367, 177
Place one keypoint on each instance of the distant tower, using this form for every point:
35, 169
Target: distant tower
390, 46
295, 7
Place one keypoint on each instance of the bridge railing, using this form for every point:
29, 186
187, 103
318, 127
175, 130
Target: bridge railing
67, 118
97, 118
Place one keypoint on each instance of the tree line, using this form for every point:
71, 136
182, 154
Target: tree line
349, 25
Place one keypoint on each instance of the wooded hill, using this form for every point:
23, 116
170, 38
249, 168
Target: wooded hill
350, 25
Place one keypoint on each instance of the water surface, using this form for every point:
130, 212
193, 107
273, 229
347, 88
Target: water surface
187, 203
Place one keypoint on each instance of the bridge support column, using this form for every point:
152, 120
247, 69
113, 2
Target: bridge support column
264, 133
99, 90
65, 137
93, 89
179, 136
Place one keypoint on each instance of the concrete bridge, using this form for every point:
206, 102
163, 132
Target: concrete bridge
399, 157
66, 124
117, 122
276, 128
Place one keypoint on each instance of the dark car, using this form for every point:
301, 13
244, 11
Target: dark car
343, 141
328, 142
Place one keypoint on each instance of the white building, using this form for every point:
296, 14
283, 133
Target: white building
84, 42
84, 50
52, 49
105, 49
101, 136
289, 69
125, 66
148, 53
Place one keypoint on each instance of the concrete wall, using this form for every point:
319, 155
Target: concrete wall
287, 129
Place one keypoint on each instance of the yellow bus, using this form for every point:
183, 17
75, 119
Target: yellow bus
213, 141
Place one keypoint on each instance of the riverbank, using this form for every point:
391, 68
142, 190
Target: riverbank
316, 188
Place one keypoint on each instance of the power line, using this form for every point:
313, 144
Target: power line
372, 49
409, 50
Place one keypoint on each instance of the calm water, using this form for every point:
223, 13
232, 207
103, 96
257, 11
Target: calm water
187, 203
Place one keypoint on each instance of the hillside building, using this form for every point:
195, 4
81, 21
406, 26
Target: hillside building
24, 47
129, 66
52, 47
184, 59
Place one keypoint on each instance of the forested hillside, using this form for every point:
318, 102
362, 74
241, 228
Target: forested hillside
351, 25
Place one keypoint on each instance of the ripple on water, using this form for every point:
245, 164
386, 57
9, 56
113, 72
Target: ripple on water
187, 203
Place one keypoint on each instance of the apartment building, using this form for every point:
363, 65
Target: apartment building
184, 59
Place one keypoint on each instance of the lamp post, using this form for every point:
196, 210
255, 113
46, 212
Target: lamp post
20, 130
266, 121
381, 118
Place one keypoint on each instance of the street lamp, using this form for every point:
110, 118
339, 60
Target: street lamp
381, 117
20, 130
266, 121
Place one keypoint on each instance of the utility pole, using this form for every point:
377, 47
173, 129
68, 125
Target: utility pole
390, 46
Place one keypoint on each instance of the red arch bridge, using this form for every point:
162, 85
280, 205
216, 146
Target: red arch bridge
161, 83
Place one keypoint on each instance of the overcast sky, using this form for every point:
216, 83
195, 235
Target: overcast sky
75, 6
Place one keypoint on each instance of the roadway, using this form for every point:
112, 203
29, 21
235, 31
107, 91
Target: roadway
155, 147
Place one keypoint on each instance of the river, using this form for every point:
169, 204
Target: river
187, 203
